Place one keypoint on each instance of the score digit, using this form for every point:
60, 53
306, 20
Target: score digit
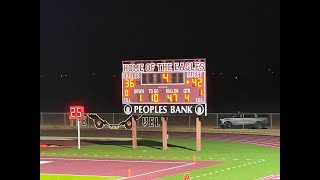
196, 82
129, 83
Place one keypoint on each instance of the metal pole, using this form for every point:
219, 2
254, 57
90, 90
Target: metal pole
65, 120
271, 120
217, 121
88, 121
41, 119
242, 121
112, 118
78, 133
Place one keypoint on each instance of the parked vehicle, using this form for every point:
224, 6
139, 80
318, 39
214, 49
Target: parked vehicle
245, 120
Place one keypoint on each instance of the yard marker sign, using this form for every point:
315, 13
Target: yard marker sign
77, 113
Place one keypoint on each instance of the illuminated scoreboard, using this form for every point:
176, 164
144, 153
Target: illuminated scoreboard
164, 87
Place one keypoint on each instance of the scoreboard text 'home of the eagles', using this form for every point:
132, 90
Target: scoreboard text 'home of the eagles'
164, 87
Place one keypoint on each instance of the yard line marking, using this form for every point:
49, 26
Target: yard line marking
160, 171
69, 174
44, 162
117, 160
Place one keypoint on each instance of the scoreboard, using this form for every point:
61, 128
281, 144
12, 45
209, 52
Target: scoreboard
164, 87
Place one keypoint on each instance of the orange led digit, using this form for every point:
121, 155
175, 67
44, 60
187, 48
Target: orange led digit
194, 82
129, 83
165, 76
154, 97
175, 97
169, 97
199, 82
126, 82
126, 93
187, 97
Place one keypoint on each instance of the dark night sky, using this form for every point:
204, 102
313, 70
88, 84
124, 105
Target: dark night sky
238, 38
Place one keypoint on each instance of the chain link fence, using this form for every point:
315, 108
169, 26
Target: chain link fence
212, 120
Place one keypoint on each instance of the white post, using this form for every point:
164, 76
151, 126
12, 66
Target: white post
78, 133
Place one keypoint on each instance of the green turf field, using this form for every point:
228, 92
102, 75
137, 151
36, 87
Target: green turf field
241, 161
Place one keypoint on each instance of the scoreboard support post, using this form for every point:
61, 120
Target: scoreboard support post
198, 133
164, 133
134, 133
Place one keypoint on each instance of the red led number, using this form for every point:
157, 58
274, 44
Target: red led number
72, 112
76, 112
79, 113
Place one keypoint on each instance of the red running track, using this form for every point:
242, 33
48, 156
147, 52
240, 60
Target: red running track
272, 177
146, 169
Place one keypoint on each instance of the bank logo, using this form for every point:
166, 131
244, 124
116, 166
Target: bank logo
127, 109
199, 109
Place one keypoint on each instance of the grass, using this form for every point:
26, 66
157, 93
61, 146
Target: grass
241, 161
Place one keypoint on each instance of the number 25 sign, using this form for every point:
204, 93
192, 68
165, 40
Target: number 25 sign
76, 112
